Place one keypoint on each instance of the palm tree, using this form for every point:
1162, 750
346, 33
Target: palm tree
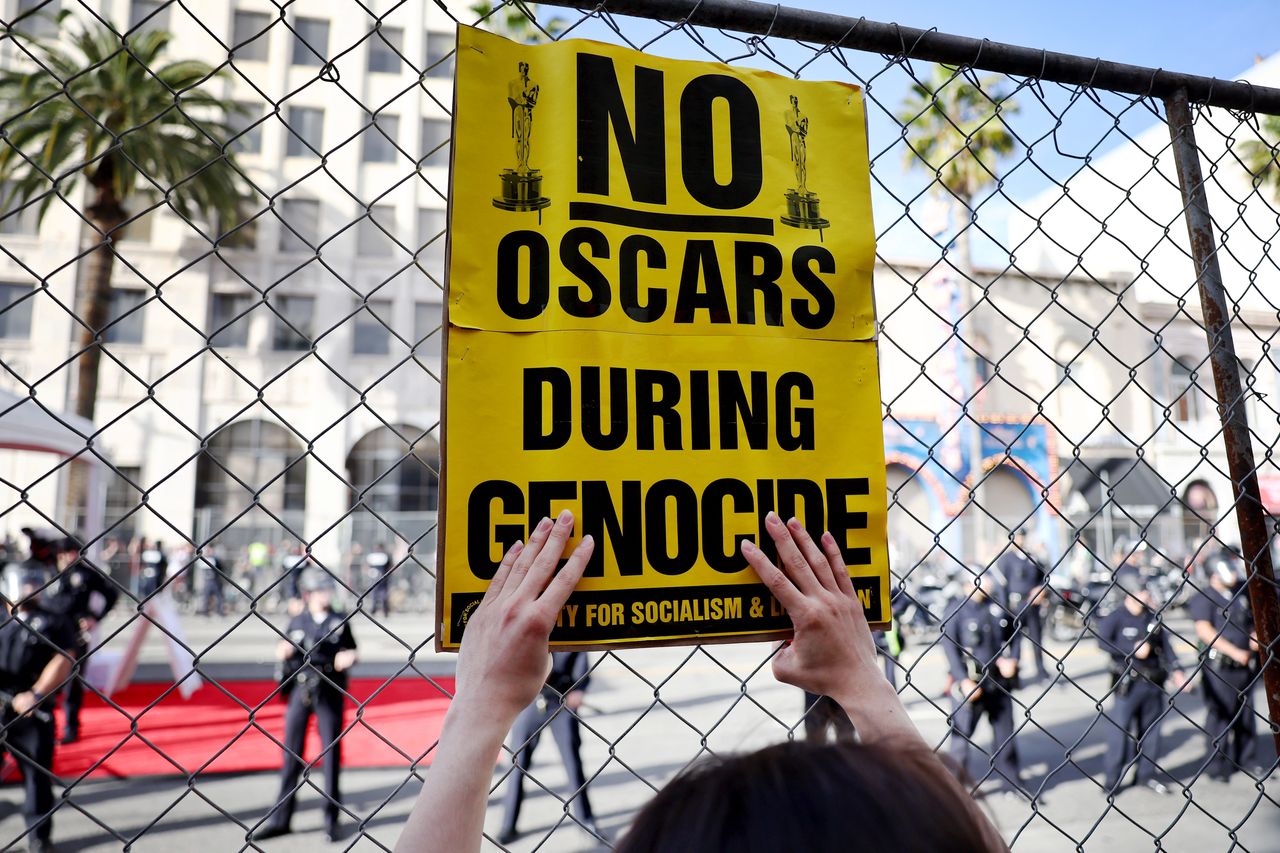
1261, 156
517, 21
952, 127
123, 120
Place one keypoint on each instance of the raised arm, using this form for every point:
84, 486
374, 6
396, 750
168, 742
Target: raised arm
832, 652
502, 665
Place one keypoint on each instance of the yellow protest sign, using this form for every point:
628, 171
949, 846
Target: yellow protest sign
660, 316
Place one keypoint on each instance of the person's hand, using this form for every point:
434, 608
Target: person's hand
1242, 656
1143, 652
970, 691
504, 659
285, 650
88, 623
573, 699
832, 652
344, 660
1007, 667
1179, 679
23, 702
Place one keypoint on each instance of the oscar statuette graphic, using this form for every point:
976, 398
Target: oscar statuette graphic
522, 186
802, 205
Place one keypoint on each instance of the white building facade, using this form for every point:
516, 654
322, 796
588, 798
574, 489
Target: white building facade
305, 346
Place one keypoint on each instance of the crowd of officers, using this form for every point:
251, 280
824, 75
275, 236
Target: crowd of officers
54, 601
1000, 615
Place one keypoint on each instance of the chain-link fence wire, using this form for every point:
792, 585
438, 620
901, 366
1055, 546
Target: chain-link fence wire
267, 398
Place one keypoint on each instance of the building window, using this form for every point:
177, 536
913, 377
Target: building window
252, 462
124, 316
386, 46
369, 335
15, 311
311, 41
306, 131
300, 225
249, 39
123, 500
14, 218
434, 144
380, 139
297, 312
427, 334
440, 54
245, 122
229, 319
144, 207
149, 15
431, 240
1186, 403
388, 475
37, 18
371, 238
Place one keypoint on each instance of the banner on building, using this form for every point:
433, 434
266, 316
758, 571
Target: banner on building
660, 316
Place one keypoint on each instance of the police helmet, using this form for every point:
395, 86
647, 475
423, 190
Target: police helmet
43, 543
315, 580
1226, 568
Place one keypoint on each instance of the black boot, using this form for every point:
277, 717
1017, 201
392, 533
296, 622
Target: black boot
269, 830
70, 734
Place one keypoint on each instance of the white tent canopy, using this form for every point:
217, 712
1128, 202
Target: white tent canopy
26, 426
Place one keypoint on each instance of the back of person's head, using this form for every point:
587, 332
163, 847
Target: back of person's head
816, 798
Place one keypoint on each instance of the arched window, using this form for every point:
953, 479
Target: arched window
249, 459
395, 470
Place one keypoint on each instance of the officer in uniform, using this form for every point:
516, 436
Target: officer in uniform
1142, 659
1224, 625
558, 702
977, 638
82, 596
1027, 584
154, 569
36, 650
377, 565
314, 663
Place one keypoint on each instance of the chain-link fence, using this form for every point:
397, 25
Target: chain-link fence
222, 240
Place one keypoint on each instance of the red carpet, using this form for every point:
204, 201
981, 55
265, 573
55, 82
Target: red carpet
213, 732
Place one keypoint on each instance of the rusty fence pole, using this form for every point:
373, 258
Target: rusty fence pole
1254, 539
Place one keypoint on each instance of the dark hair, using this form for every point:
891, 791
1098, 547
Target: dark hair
816, 798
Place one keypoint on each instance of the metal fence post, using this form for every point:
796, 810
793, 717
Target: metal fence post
1254, 540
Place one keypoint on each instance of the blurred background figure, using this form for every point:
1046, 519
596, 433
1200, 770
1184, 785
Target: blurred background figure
153, 569
377, 573
1028, 584
1225, 629
556, 707
82, 597
1142, 660
315, 660
213, 582
976, 639
37, 649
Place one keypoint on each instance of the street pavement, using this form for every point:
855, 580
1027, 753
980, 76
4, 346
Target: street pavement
649, 713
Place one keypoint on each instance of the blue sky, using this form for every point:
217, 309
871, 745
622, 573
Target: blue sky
1215, 39
1064, 129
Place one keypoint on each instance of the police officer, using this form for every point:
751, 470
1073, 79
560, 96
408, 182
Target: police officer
1142, 659
978, 635
315, 661
213, 582
153, 569
823, 715
558, 702
377, 565
36, 650
82, 596
1027, 588
1224, 625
